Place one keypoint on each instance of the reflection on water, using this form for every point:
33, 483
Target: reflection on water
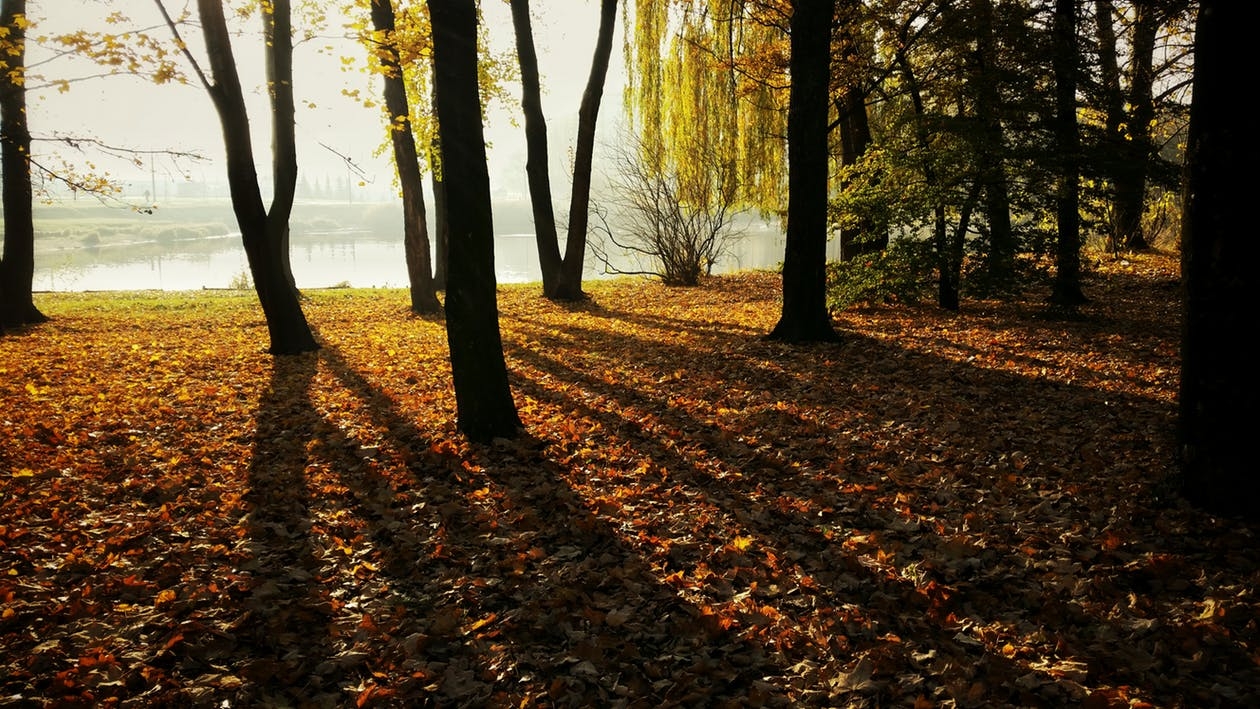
361, 259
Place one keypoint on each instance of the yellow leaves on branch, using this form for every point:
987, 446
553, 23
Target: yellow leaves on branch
128, 52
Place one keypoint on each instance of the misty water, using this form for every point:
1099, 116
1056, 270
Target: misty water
193, 246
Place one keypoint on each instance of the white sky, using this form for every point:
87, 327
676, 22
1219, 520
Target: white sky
131, 112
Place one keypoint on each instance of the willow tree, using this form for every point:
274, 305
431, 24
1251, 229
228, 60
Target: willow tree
740, 77
264, 230
706, 89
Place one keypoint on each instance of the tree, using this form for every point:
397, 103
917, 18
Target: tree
1130, 108
1219, 385
264, 232
804, 315
484, 406
992, 150
713, 73
17, 264
131, 51
415, 221
562, 276
1066, 291
673, 223
537, 174
925, 127
865, 235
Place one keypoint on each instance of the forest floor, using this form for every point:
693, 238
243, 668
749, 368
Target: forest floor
942, 510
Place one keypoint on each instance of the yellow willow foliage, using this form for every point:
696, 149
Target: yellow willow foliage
707, 90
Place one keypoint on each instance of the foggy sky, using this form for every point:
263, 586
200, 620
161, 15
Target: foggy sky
131, 112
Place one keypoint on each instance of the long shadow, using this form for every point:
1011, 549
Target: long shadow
1145, 330
282, 636
522, 593
756, 585
958, 590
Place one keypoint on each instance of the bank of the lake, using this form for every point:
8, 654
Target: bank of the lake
194, 244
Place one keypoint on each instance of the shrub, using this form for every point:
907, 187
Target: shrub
901, 273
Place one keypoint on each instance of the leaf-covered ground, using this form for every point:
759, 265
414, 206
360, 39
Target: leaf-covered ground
965, 510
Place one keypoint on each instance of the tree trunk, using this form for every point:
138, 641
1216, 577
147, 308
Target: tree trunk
804, 315
948, 269
549, 259
424, 298
442, 239
485, 409
1066, 290
1219, 383
263, 232
569, 286
441, 224
1114, 117
867, 237
1000, 260
1134, 166
953, 247
17, 264
278, 38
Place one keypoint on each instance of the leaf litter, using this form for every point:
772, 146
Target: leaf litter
964, 510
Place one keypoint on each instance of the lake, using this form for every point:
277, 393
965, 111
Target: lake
92, 253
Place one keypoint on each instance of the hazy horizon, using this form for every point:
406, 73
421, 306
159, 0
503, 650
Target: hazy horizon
130, 112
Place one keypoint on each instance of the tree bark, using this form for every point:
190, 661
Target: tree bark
804, 316
569, 287
1219, 384
440, 223
1066, 291
264, 232
1134, 167
549, 259
483, 398
867, 237
424, 298
1000, 261
17, 264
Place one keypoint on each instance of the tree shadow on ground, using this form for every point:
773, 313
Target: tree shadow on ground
488, 581
1032, 600
282, 634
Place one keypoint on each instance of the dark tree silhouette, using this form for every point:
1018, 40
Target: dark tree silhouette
536, 170
1066, 290
415, 226
484, 406
804, 316
1219, 248
17, 264
264, 232
562, 275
